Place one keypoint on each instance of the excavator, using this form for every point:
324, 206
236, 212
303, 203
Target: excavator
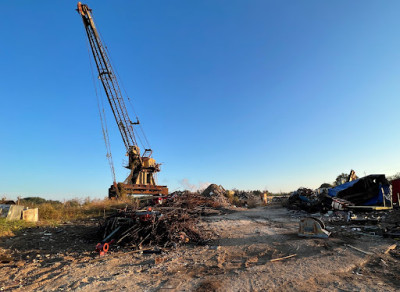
141, 179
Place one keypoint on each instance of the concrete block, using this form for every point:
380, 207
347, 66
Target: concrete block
15, 212
31, 215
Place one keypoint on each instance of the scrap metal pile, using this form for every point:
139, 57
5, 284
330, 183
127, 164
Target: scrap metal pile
369, 191
161, 227
309, 200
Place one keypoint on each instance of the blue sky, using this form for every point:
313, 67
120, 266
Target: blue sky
247, 94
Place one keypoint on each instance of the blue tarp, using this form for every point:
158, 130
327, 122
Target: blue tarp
378, 200
373, 188
304, 199
334, 191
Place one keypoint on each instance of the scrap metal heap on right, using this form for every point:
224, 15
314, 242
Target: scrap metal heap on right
360, 205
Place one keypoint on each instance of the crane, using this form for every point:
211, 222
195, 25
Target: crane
142, 166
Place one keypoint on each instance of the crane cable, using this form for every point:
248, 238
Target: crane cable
129, 100
144, 145
103, 120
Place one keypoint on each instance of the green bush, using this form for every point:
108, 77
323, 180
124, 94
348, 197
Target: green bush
9, 227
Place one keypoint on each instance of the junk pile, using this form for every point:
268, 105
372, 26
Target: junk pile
194, 203
375, 223
309, 200
349, 224
369, 192
216, 193
250, 198
165, 226
372, 190
244, 196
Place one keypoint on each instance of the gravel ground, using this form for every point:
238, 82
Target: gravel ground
237, 259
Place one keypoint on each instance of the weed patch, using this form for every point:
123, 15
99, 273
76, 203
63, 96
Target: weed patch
10, 227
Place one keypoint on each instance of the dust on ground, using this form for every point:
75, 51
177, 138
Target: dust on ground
237, 259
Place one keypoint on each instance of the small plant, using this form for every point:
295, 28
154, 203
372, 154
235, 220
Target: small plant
233, 198
10, 227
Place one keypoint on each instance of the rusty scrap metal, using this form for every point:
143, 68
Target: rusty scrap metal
165, 228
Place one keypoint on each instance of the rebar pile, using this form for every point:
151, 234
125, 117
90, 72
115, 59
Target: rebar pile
193, 201
152, 228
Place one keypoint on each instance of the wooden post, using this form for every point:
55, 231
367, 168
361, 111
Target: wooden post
383, 197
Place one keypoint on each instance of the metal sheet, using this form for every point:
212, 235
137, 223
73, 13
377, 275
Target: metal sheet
15, 212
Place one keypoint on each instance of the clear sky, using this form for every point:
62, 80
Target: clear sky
247, 94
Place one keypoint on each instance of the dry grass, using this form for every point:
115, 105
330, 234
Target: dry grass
77, 210
233, 199
254, 202
54, 212
9, 228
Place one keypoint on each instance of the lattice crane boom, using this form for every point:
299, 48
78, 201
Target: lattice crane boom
143, 167
108, 78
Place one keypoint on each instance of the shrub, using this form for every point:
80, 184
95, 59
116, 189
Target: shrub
253, 202
74, 203
9, 227
50, 211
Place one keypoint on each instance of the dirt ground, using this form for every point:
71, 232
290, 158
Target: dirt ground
237, 259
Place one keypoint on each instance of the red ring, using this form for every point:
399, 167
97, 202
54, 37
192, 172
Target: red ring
106, 246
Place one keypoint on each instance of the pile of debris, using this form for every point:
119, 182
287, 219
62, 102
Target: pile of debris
151, 228
309, 200
250, 198
216, 193
194, 203
247, 196
370, 192
366, 191
244, 195
166, 226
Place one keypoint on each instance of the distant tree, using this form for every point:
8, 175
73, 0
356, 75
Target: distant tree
34, 200
38, 201
257, 192
341, 179
54, 202
72, 203
393, 177
325, 186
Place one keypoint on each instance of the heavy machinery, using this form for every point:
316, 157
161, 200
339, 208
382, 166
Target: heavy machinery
142, 166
